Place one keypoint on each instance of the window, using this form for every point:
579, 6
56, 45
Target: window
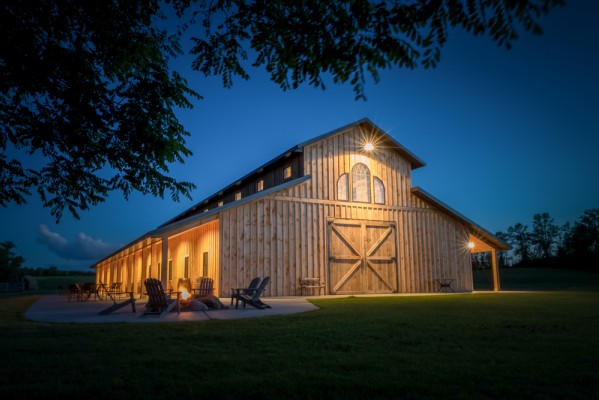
205, 264
170, 270
361, 183
149, 271
220, 203
237, 196
159, 272
186, 268
343, 188
379, 191
260, 185
287, 173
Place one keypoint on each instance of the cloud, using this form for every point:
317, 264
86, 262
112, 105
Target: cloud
83, 247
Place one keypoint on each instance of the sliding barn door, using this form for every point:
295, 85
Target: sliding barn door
362, 257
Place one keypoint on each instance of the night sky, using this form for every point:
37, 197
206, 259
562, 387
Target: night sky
505, 135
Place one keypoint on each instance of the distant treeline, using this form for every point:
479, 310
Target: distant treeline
572, 246
52, 271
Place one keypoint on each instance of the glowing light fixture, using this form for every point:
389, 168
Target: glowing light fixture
368, 146
470, 245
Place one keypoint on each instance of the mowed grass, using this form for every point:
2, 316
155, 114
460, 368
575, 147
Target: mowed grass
537, 279
520, 345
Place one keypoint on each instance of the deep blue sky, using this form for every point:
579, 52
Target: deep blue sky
505, 135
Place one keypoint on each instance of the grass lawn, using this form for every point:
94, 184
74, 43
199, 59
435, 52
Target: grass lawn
519, 345
537, 279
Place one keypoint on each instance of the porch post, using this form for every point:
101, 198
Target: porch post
164, 266
495, 270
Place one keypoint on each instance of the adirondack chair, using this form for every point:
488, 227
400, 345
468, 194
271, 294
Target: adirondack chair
254, 299
247, 291
205, 287
115, 306
158, 302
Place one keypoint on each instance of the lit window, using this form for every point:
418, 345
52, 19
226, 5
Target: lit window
237, 196
260, 185
170, 270
220, 203
287, 173
186, 268
379, 191
343, 188
361, 183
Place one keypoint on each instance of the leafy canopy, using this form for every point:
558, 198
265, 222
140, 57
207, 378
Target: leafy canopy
87, 86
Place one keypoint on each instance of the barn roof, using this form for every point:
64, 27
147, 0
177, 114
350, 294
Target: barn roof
478, 231
366, 125
197, 219
371, 129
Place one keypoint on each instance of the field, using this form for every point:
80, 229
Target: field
538, 279
509, 345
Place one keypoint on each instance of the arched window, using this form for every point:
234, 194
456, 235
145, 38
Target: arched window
379, 191
361, 183
343, 188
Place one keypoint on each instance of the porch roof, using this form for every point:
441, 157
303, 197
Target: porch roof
197, 219
475, 230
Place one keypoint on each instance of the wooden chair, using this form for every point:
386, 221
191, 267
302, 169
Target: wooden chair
205, 287
158, 302
247, 291
254, 299
73, 291
101, 288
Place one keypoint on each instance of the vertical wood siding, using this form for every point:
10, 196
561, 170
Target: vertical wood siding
284, 235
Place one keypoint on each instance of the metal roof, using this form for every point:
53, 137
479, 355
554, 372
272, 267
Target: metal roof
476, 229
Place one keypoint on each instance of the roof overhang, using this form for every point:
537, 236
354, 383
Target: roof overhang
164, 231
483, 240
370, 130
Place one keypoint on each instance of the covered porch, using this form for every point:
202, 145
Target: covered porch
480, 245
189, 253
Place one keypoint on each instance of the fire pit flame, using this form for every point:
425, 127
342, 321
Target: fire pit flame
184, 294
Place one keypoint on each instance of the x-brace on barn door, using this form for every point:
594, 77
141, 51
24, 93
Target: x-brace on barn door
362, 257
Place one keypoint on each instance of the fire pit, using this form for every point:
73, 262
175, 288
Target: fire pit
184, 287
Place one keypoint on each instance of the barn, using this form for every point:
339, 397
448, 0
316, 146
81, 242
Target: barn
339, 207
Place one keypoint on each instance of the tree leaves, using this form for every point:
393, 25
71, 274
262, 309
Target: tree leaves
88, 90
300, 41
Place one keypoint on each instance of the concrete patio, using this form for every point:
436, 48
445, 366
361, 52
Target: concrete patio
55, 308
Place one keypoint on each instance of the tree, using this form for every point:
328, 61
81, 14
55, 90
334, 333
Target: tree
520, 240
503, 256
10, 262
544, 234
87, 89
580, 244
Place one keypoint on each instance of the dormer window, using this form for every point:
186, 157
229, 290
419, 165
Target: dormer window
260, 185
287, 173
237, 196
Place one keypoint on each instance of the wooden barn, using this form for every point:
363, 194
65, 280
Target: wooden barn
340, 207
